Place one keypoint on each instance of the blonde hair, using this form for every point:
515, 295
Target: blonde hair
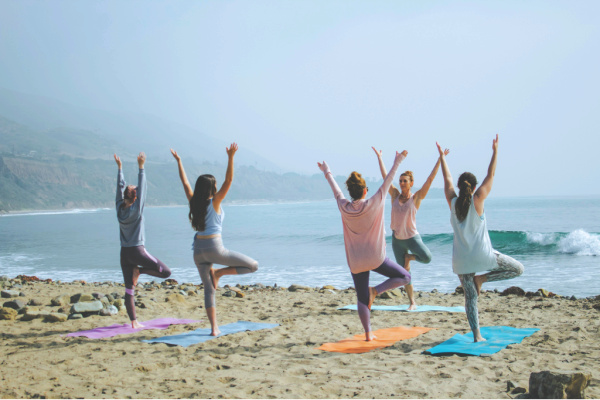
356, 185
409, 174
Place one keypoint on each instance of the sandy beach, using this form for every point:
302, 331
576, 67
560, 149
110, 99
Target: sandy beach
39, 361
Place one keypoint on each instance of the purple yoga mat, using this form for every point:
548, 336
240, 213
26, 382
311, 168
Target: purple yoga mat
114, 330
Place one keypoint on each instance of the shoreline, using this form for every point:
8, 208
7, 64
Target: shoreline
39, 361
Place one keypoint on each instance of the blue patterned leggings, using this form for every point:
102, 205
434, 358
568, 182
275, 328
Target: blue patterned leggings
507, 268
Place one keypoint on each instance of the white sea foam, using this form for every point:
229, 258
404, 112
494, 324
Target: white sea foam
57, 212
543, 239
580, 243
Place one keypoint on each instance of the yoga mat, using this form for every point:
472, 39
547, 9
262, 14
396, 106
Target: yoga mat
404, 307
497, 338
114, 330
385, 338
202, 335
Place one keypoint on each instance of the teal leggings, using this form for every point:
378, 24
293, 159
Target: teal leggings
413, 245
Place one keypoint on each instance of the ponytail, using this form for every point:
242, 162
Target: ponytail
466, 184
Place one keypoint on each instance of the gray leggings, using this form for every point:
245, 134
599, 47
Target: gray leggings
211, 251
415, 245
507, 268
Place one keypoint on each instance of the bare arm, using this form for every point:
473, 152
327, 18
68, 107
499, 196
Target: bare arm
220, 195
448, 186
337, 192
120, 181
486, 186
393, 191
422, 193
187, 188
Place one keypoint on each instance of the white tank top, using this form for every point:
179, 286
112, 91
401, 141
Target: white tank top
404, 218
472, 251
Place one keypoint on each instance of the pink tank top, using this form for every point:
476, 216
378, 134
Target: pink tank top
404, 218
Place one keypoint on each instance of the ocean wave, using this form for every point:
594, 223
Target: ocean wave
56, 212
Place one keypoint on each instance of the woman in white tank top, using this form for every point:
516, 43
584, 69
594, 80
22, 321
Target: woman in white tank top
472, 250
406, 241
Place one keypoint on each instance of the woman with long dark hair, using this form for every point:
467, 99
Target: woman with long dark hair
364, 238
206, 216
406, 241
472, 251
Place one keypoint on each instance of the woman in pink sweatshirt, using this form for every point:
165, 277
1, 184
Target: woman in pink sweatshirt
364, 238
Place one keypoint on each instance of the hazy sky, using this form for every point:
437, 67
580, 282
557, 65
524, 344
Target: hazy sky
304, 81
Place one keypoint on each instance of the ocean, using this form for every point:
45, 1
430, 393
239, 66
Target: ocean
556, 239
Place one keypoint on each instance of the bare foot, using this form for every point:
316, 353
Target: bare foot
479, 339
372, 295
478, 280
136, 325
412, 307
215, 332
370, 336
136, 276
407, 259
215, 279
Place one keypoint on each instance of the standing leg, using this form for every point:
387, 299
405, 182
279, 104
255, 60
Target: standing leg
204, 269
128, 268
361, 284
403, 257
471, 304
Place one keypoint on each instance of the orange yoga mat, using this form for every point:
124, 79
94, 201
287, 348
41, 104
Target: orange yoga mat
385, 337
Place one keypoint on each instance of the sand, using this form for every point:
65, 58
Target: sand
38, 361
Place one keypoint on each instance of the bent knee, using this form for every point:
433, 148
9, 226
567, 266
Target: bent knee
254, 266
425, 259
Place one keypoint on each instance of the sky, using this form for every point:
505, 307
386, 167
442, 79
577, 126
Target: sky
305, 81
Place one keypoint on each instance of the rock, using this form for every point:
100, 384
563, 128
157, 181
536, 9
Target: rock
56, 317
75, 316
518, 390
31, 315
119, 303
112, 310
62, 300
168, 282
175, 298
229, 293
513, 290
192, 293
459, 290
238, 291
105, 302
544, 292
104, 312
14, 304
396, 292
573, 298
116, 295
86, 307
7, 294
80, 297
434, 291
8, 314
98, 296
326, 287
558, 385
510, 385
386, 295
295, 288
35, 302
110, 298
25, 278
3, 278
21, 294
183, 293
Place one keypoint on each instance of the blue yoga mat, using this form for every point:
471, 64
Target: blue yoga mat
404, 307
202, 335
497, 338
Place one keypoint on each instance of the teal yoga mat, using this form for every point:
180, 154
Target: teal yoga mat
202, 335
497, 338
404, 307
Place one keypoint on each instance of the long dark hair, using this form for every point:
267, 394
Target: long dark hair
356, 185
206, 187
466, 184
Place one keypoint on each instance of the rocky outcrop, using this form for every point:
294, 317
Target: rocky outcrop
558, 385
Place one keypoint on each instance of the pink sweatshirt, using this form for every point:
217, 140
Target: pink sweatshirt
364, 233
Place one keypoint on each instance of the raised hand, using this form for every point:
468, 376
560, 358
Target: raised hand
141, 159
323, 166
231, 149
495, 144
379, 153
446, 151
442, 152
118, 161
175, 155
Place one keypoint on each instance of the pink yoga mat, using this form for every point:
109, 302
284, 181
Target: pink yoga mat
114, 330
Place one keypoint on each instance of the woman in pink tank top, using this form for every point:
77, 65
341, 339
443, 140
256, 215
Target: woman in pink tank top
406, 241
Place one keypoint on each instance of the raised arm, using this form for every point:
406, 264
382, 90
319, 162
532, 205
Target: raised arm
486, 185
187, 188
448, 186
422, 193
337, 192
387, 182
120, 181
142, 188
393, 191
220, 195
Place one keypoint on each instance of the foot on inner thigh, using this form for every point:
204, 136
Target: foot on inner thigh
370, 336
407, 259
215, 276
478, 280
136, 276
372, 295
136, 325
